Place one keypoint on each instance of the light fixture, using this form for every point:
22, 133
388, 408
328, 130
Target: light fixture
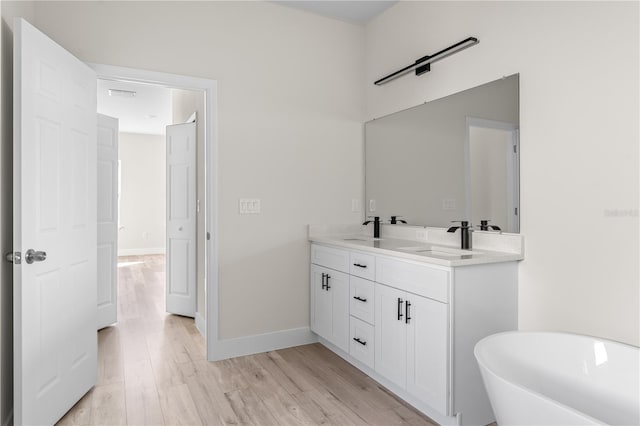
122, 93
423, 64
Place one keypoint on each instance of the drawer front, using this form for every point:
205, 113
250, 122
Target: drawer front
330, 257
361, 297
361, 344
414, 278
362, 265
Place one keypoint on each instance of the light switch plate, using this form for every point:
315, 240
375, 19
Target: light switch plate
355, 205
372, 205
249, 206
449, 204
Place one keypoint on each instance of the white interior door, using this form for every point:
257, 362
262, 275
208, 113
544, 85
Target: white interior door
55, 341
107, 220
181, 219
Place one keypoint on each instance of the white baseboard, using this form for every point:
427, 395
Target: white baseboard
141, 251
9, 420
201, 324
248, 345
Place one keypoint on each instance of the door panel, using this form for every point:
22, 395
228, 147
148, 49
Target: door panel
55, 342
338, 283
181, 219
321, 319
107, 220
391, 335
428, 353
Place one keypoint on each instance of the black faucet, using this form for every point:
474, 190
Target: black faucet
394, 220
484, 226
376, 225
464, 233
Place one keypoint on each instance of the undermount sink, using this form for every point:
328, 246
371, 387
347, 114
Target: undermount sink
438, 251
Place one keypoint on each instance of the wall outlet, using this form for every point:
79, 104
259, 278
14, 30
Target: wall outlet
249, 206
421, 234
372, 205
355, 205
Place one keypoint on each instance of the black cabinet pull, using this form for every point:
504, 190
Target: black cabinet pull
359, 265
323, 277
399, 308
407, 312
357, 339
328, 286
359, 298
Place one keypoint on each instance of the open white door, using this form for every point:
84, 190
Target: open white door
181, 219
107, 220
55, 341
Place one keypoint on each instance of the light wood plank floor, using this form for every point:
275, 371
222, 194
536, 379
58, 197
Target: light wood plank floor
152, 371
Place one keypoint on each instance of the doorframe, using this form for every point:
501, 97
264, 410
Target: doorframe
210, 88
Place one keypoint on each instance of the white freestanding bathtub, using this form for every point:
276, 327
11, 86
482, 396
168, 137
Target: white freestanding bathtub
560, 379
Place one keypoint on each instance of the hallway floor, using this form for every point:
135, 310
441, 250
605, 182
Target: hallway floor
152, 371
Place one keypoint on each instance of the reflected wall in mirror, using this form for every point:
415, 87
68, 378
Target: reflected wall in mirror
454, 158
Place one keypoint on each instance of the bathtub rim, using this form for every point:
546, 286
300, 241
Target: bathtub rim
483, 365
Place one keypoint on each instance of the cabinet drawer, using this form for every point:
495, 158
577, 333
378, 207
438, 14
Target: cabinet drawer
361, 297
362, 265
414, 278
330, 257
361, 344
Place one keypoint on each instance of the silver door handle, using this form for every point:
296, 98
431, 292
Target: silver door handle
35, 256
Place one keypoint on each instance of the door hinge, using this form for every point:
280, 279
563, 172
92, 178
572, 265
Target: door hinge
208, 236
13, 257
516, 211
515, 149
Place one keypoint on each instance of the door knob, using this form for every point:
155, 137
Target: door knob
35, 256
180, 228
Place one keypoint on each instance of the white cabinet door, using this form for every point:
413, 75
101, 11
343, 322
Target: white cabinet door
391, 334
427, 351
330, 305
338, 287
321, 309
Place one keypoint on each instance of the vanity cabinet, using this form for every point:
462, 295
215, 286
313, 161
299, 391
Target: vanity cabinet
412, 325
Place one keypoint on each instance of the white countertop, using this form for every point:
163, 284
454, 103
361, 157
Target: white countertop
421, 251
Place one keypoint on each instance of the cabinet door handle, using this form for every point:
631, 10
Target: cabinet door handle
323, 277
400, 301
328, 286
359, 265
359, 298
407, 312
357, 339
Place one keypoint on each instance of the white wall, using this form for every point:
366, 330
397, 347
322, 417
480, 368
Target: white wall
289, 128
185, 103
142, 228
579, 83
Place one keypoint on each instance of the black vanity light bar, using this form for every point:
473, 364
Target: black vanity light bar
423, 64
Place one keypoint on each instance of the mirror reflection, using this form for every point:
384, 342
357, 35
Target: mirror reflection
454, 158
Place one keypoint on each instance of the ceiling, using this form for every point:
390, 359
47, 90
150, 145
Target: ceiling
148, 111
359, 12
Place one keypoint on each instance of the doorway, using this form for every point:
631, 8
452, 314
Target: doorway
160, 190
491, 173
